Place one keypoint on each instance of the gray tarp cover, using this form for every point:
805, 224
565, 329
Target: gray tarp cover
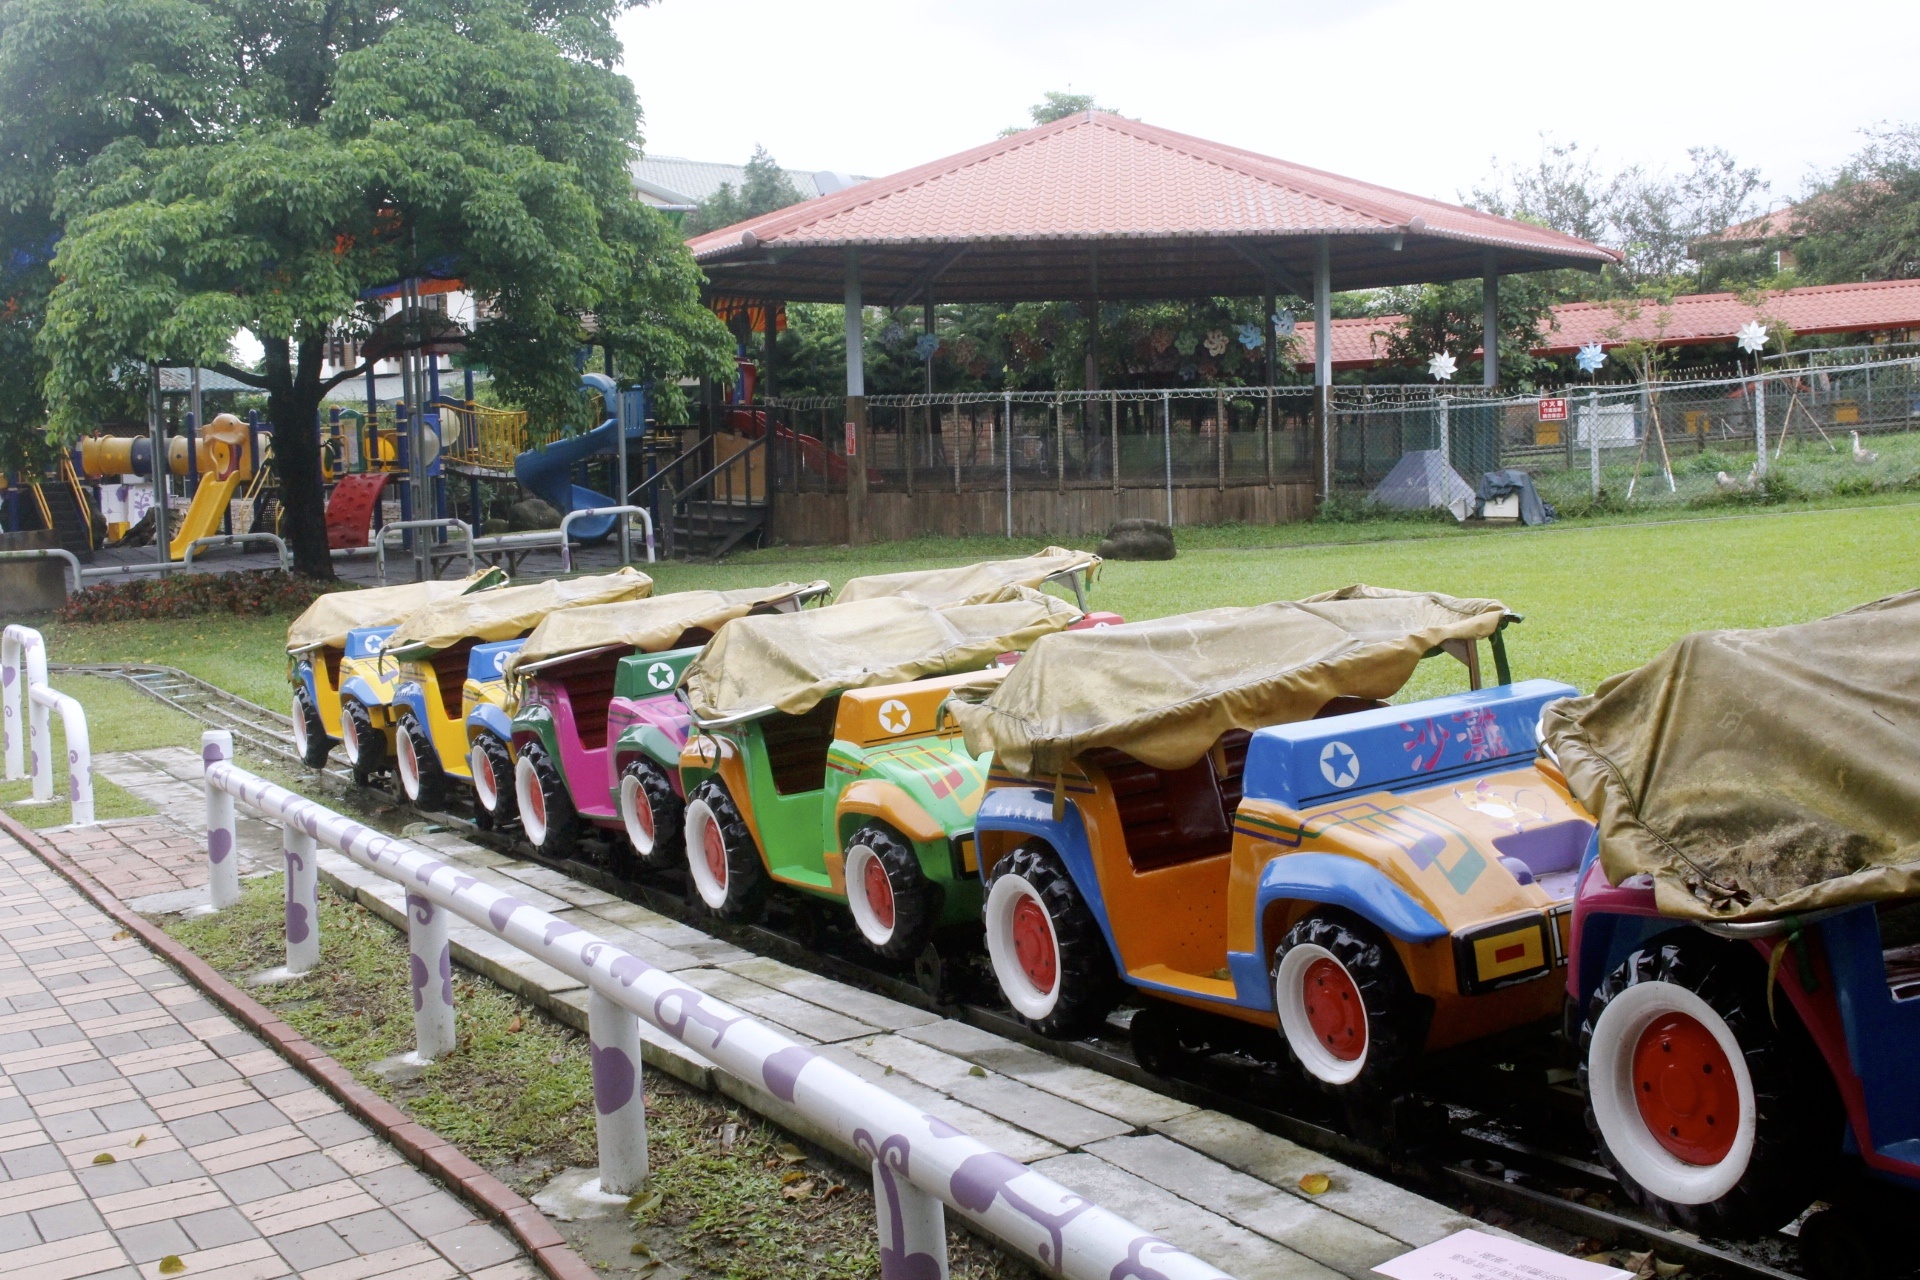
328, 619
1423, 479
1500, 484
971, 583
1165, 690
794, 661
649, 624
1755, 773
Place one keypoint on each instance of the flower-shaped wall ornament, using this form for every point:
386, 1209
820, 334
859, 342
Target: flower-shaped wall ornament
1216, 344
1442, 367
1752, 337
1283, 323
927, 344
1590, 358
1251, 338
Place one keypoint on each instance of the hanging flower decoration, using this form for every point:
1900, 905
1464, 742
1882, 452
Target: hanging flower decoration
1591, 357
1251, 338
1442, 367
1283, 323
926, 345
1752, 337
892, 334
1216, 344
1160, 341
1186, 342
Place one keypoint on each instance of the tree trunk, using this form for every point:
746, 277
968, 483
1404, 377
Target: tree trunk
293, 406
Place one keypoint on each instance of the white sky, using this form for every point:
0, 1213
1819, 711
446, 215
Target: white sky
1419, 94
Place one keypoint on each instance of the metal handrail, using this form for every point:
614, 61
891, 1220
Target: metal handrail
380, 539
566, 544
737, 717
922, 1163
238, 540
23, 666
49, 553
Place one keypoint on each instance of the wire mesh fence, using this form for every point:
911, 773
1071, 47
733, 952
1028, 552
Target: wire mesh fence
1826, 428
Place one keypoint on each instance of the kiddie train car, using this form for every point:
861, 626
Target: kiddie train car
1745, 968
324, 655
585, 678
800, 757
1219, 811
444, 680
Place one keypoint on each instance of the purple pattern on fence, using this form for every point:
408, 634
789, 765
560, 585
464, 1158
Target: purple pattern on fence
613, 1078
418, 969
297, 922
210, 753
1133, 1266
941, 1129
691, 1007
781, 1070
559, 929
502, 911
219, 844
980, 1178
446, 975
889, 1158
7, 676
420, 908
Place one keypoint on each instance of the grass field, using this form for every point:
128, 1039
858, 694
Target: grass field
1598, 598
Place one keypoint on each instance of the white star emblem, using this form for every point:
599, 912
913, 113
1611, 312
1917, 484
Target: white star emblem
1442, 367
1752, 336
1339, 765
660, 675
1591, 357
894, 716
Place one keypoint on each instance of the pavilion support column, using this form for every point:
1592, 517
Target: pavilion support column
856, 425
1490, 322
1323, 362
1268, 304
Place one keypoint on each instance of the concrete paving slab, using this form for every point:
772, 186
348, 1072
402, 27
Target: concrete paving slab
1118, 1098
875, 1010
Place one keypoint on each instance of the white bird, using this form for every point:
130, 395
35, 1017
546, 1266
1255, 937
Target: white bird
1860, 455
1726, 481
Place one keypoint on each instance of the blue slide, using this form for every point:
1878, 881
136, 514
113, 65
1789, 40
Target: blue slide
548, 472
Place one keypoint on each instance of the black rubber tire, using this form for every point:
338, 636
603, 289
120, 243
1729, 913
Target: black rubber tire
747, 884
1161, 1042
373, 744
1798, 1118
916, 900
560, 837
307, 717
669, 817
1089, 986
432, 785
1397, 1016
506, 809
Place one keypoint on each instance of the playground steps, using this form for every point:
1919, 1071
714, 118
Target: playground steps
708, 530
72, 520
350, 509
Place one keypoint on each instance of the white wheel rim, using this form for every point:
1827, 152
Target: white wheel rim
300, 726
1026, 998
486, 789
711, 891
533, 805
350, 739
632, 796
1610, 1082
1289, 997
859, 857
409, 763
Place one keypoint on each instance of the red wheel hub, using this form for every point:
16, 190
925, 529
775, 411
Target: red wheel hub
642, 810
1033, 944
716, 851
537, 803
1685, 1086
879, 893
1335, 1010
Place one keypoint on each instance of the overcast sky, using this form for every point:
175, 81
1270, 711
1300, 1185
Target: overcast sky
1413, 94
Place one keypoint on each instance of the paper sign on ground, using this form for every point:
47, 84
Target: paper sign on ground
1475, 1255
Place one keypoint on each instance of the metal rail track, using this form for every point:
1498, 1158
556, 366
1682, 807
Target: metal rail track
1467, 1150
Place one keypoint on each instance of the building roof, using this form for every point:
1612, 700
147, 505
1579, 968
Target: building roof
1689, 320
179, 381
1097, 206
671, 182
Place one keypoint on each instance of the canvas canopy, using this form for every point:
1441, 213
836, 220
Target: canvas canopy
1165, 690
510, 611
1424, 479
327, 620
1757, 773
971, 583
649, 624
794, 661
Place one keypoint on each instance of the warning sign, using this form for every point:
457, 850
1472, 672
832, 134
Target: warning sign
1553, 409
852, 437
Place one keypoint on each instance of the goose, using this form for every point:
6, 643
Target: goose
1861, 455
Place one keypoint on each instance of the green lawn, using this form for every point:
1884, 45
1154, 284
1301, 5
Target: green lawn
1598, 597
119, 718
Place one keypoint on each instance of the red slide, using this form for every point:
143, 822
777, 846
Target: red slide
350, 509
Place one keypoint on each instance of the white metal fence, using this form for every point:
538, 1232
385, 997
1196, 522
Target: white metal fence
922, 1164
23, 671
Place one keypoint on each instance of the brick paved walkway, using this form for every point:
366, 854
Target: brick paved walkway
138, 1123
136, 857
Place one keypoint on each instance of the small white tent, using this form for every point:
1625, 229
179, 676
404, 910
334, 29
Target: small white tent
1423, 479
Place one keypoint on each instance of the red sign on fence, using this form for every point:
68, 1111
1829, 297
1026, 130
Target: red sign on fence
852, 437
1553, 409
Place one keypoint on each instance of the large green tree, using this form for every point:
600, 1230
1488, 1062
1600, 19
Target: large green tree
1863, 222
764, 187
273, 160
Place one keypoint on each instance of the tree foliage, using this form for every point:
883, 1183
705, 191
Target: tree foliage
1054, 105
764, 187
263, 164
1863, 221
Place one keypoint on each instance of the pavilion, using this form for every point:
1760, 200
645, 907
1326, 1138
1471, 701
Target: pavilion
1096, 208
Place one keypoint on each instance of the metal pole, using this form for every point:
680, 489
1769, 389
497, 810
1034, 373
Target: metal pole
619, 1100
1490, 322
856, 419
1114, 427
430, 962
1593, 438
1166, 437
620, 417
1009, 447
303, 900
223, 858
1760, 425
162, 468
1267, 304
1446, 433
1323, 359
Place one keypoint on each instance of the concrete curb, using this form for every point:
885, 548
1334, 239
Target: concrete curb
423, 1148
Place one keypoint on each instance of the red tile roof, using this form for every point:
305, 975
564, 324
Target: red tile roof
1128, 187
1692, 319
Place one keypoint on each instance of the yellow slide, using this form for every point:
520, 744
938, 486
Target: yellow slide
225, 466
203, 517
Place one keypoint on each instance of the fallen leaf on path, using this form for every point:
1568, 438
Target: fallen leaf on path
798, 1191
105, 1157
643, 1203
171, 1265
791, 1176
516, 1024
789, 1153
1315, 1184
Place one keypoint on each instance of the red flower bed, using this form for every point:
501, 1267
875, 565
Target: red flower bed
186, 595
